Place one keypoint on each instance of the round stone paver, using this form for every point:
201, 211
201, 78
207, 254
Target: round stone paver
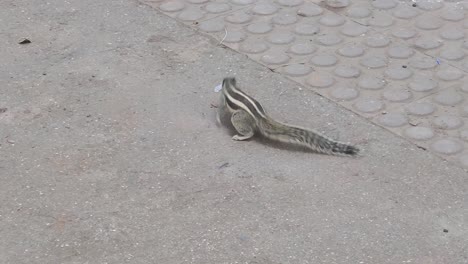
309, 10
447, 146
216, 8
447, 122
400, 52
212, 26
384, 4
452, 15
371, 83
264, 9
280, 38
393, 120
427, 43
284, 19
302, 49
353, 30
398, 73
423, 63
336, 3
344, 93
377, 41
243, 2
324, 60
404, 33
306, 29
347, 71
449, 98
239, 18
259, 28
253, 47
430, 5
428, 23
275, 58
235, 37
453, 54
368, 105
351, 51
172, 6
373, 62
452, 33
297, 70
191, 15
419, 133
449, 74
421, 84
381, 21
406, 12
320, 80
397, 95
358, 12
332, 20
420, 109
290, 2
329, 39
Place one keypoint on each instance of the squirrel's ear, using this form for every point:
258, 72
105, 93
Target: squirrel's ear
229, 80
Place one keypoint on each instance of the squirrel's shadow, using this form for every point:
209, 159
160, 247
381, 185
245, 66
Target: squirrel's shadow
227, 126
281, 145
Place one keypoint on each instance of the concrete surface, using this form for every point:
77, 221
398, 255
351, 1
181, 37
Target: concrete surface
110, 154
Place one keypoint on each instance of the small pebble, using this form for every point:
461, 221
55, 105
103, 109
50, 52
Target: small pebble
24, 41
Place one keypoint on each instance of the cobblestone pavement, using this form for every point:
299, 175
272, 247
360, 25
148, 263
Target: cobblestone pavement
400, 64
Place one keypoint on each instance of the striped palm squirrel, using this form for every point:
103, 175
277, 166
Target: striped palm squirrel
248, 118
